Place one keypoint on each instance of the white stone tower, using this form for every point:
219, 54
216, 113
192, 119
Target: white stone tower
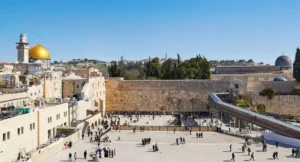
23, 49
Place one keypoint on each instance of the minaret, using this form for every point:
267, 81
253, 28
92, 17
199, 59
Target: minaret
23, 49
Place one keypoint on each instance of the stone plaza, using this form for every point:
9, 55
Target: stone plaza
213, 147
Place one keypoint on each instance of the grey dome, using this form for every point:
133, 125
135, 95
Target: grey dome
280, 78
283, 61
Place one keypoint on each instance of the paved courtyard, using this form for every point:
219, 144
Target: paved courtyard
214, 147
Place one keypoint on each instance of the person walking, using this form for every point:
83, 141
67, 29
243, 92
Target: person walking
84, 154
252, 156
75, 156
174, 130
82, 136
230, 147
70, 156
183, 139
177, 141
197, 135
249, 150
276, 144
233, 157
190, 131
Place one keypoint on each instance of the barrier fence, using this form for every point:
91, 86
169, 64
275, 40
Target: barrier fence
165, 128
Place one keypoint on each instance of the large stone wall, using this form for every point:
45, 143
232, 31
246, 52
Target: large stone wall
281, 104
158, 95
280, 87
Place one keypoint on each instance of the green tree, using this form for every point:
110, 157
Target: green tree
261, 108
269, 92
296, 65
114, 70
167, 69
154, 68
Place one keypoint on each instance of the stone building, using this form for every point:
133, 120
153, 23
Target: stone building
85, 73
282, 63
90, 88
72, 86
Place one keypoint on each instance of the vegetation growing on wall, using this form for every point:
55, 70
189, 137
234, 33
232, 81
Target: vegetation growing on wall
268, 92
243, 103
261, 108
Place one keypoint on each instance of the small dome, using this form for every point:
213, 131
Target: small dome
283, 61
39, 52
280, 78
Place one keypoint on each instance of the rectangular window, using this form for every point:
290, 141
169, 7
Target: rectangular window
4, 136
8, 135
33, 125
22, 130
30, 126
19, 131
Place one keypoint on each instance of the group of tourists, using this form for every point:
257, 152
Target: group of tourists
155, 147
275, 155
70, 156
182, 140
105, 153
68, 144
296, 152
199, 135
146, 141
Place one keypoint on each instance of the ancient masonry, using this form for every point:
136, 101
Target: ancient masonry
159, 95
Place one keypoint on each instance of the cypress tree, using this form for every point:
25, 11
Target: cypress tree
296, 66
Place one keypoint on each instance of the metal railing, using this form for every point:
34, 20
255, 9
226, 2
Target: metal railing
266, 122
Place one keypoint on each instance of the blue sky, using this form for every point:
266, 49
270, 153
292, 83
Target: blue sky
136, 29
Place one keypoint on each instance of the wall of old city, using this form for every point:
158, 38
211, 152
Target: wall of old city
159, 95
281, 87
281, 104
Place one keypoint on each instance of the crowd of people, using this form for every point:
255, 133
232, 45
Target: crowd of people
182, 140
146, 141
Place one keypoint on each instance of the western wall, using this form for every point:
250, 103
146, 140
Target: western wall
281, 104
159, 95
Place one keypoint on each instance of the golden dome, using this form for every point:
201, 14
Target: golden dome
39, 52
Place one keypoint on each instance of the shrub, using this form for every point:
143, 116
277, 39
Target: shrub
261, 108
269, 92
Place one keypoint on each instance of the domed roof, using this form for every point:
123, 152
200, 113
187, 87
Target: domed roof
280, 78
283, 61
39, 52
